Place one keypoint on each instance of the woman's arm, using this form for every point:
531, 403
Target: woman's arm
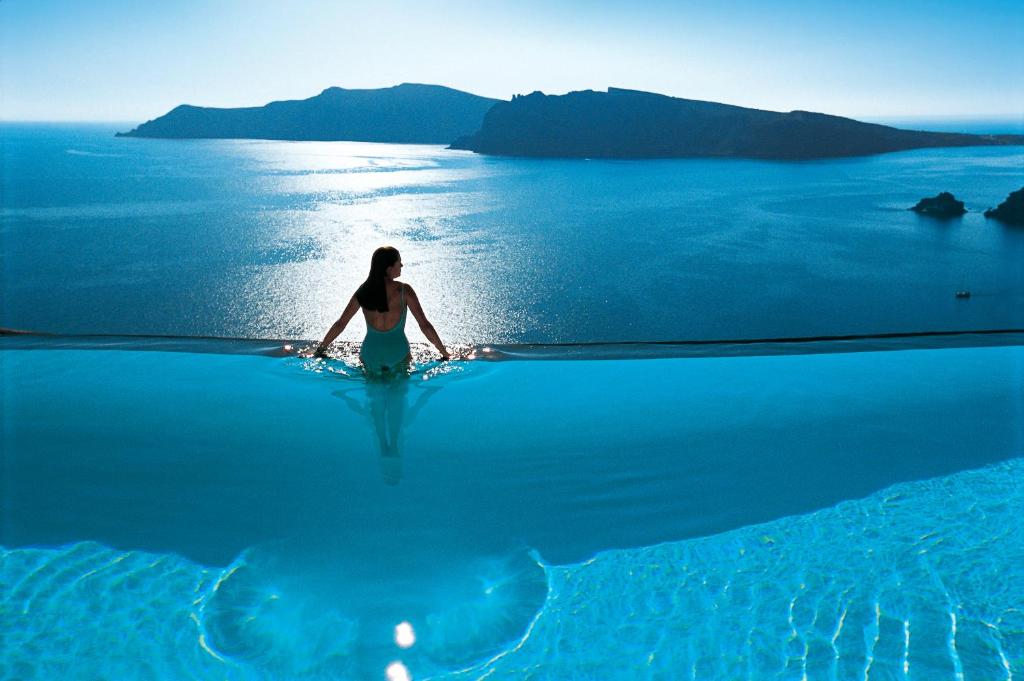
338, 326
425, 326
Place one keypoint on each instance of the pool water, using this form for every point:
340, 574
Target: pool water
218, 513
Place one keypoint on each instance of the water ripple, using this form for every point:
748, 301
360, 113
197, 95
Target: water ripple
913, 580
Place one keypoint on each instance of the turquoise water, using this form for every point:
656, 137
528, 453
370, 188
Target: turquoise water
260, 239
214, 509
229, 514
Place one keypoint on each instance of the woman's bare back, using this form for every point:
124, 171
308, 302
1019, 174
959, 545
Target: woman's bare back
385, 321
385, 267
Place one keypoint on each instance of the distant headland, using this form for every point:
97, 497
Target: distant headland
587, 124
409, 113
632, 124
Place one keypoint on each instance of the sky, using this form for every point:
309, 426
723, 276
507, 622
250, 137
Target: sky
119, 60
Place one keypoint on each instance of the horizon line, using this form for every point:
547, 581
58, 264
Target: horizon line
1017, 116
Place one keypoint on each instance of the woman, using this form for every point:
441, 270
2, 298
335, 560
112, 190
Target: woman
385, 349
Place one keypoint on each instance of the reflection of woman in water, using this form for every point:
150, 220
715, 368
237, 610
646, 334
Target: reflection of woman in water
387, 411
385, 349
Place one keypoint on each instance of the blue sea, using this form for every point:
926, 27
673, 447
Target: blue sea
263, 239
223, 508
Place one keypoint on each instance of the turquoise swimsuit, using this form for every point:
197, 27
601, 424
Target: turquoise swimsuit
386, 351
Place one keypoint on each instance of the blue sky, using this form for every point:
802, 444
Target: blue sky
132, 61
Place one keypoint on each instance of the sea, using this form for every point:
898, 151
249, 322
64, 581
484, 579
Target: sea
268, 239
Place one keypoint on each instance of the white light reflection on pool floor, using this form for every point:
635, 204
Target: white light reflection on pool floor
405, 637
397, 671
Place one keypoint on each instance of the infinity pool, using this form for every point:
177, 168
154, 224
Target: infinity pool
213, 511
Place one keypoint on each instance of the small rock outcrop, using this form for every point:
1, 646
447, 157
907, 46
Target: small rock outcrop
1010, 211
944, 205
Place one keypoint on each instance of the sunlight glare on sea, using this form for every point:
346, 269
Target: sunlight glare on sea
364, 196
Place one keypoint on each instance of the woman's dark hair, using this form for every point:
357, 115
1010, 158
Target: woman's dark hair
373, 294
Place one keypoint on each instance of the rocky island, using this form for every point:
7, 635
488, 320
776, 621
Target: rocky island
409, 113
1010, 211
632, 124
944, 205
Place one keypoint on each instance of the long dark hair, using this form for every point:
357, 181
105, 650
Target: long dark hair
372, 294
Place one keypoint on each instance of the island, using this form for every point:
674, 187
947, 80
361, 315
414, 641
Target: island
943, 205
630, 124
409, 113
1010, 211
